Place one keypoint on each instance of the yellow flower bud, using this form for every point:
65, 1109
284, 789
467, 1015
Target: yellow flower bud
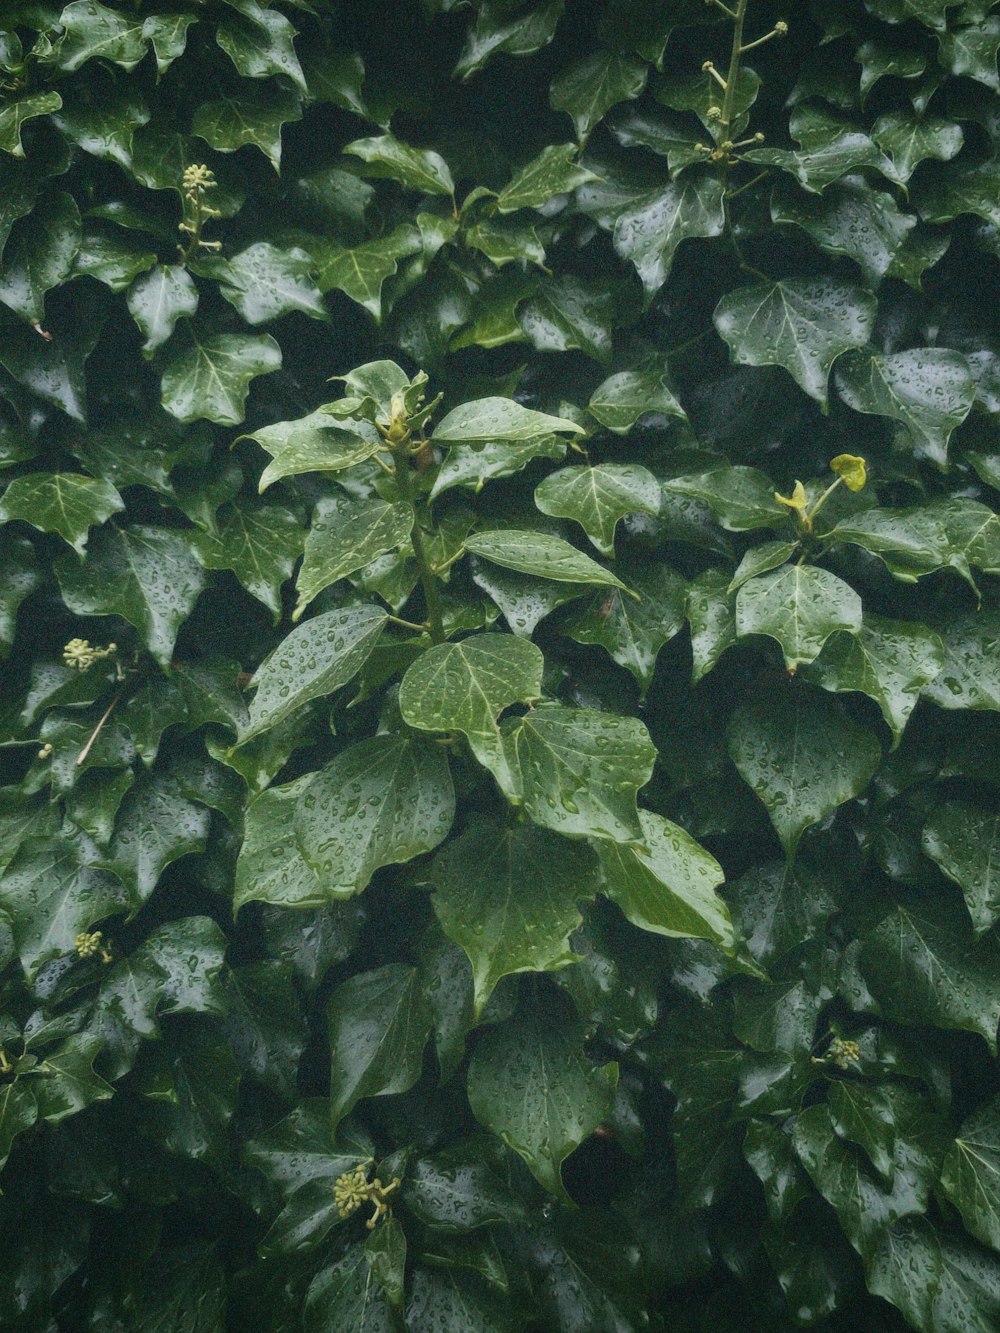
851, 470
797, 500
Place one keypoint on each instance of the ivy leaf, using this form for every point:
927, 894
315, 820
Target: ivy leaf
474, 465
965, 186
864, 1115
931, 13
18, 1112
711, 612
19, 577
315, 659
624, 398
650, 230
313, 444
455, 1300
801, 324
109, 260
702, 95
554, 171
590, 87
569, 314
416, 168
14, 115
597, 497
158, 299
971, 1173
67, 1082
271, 868
264, 282
925, 966
930, 390
849, 218
63, 502
101, 118
889, 660
345, 1298
910, 140
542, 555
232, 121
211, 379
259, 542
491, 419
761, 560
830, 148
381, 802
378, 1025
155, 826
524, 601
359, 272
259, 43
577, 771
530, 1082
969, 677
39, 256
800, 606
965, 843
91, 30
167, 34
509, 897
345, 536
972, 52
52, 371
952, 534
149, 576
667, 885
466, 686
802, 755
742, 498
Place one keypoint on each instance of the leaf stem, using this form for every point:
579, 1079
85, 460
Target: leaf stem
81, 757
428, 580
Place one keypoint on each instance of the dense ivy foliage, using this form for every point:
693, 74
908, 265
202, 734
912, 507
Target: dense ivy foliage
500, 821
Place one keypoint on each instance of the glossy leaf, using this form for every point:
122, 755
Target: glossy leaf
597, 497
554, 171
971, 1173
800, 606
593, 85
929, 391
345, 536
158, 299
417, 168
63, 502
210, 380
541, 555
965, 843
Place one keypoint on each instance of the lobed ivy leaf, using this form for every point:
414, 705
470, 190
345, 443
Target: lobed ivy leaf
800, 606
210, 380
649, 231
157, 299
232, 121
346, 535
624, 398
416, 168
259, 42
495, 419
969, 677
598, 497
14, 115
63, 502
590, 87
93, 31
965, 841
265, 281
970, 1175
259, 542
554, 171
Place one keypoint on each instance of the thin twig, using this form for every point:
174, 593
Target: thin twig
81, 757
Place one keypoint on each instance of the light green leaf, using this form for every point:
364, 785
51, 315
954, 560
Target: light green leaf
158, 299
554, 171
92, 31
624, 398
802, 324
578, 770
802, 755
505, 242
345, 536
416, 168
910, 139
473, 465
490, 419
359, 272
524, 601
800, 606
509, 898
590, 87
667, 885
259, 43
264, 282
259, 542
929, 389
530, 1082
39, 256
649, 231
233, 121
313, 444
742, 498
315, 659
210, 380
271, 868
971, 1173
14, 114
63, 502
597, 497
378, 1025
965, 843
889, 660
711, 613
542, 555
700, 93
149, 576
167, 34
381, 802
761, 560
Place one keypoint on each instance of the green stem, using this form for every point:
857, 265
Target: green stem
732, 78
428, 581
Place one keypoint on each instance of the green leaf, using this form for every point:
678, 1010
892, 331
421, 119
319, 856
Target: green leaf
965, 843
761, 560
466, 686
972, 52
92, 31
802, 324
930, 390
649, 231
624, 398
742, 498
524, 601
52, 371
259, 542
493, 419
454, 1300
953, 533
458, 1190
360, 271
158, 299
577, 771
497, 30
313, 444
711, 612
889, 660
264, 282
830, 148
965, 186
699, 92
864, 1115
104, 257
667, 885
597, 497
937, 1282
102, 118
931, 13
67, 1082
574, 314
149, 576
39, 256
971, 1173
18, 1112
63, 502
232, 121
378, 1026
271, 868
14, 115
155, 826
800, 606
802, 755
259, 43
381, 802
849, 218
925, 966
970, 677
509, 897
530, 1082
910, 140
633, 632
167, 34
19, 578
346, 1299
590, 87
542, 555
554, 171
504, 243
315, 659
345, 536
210, 380
473, 465
416, 168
